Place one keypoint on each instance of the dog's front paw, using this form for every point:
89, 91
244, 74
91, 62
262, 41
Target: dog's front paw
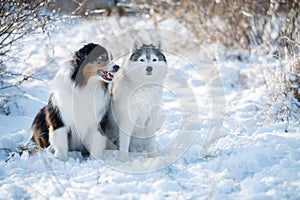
61, 156
123, 156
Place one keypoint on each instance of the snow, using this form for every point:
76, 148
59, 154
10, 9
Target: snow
215, 141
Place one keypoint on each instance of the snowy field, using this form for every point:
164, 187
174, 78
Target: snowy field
216, 141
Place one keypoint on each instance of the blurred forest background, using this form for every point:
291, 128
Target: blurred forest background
268, 27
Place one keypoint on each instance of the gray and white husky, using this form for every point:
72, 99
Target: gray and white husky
136, 99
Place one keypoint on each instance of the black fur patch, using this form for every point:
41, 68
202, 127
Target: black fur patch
107, 123
40, 129
49, 116
53, 115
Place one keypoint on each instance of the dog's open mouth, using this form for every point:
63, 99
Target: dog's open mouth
108, 76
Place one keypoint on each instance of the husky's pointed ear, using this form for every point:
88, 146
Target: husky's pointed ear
137, 44
157, 43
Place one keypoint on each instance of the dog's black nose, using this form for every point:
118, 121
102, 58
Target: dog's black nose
116, 68
149, 69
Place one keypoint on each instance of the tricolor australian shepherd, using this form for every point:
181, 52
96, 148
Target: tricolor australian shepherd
79, 100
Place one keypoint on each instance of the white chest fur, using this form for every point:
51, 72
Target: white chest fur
142, 101
81, 108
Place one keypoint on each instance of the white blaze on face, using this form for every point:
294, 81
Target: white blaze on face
147, 62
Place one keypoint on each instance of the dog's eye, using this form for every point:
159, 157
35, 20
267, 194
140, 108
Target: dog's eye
101, 58
154, 60
142, 60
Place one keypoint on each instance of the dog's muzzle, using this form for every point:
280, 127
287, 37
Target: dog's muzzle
107, 76
149, 70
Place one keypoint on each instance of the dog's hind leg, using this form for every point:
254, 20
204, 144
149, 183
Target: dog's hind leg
151, 147
59, 141
40, 129
150, 141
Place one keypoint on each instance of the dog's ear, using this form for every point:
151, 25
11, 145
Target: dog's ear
157, 43
137, 44
80, 56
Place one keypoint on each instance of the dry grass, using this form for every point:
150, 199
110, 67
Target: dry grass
273, 26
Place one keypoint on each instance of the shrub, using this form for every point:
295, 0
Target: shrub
18, 18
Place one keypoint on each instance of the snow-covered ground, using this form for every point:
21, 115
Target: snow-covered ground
215, 142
